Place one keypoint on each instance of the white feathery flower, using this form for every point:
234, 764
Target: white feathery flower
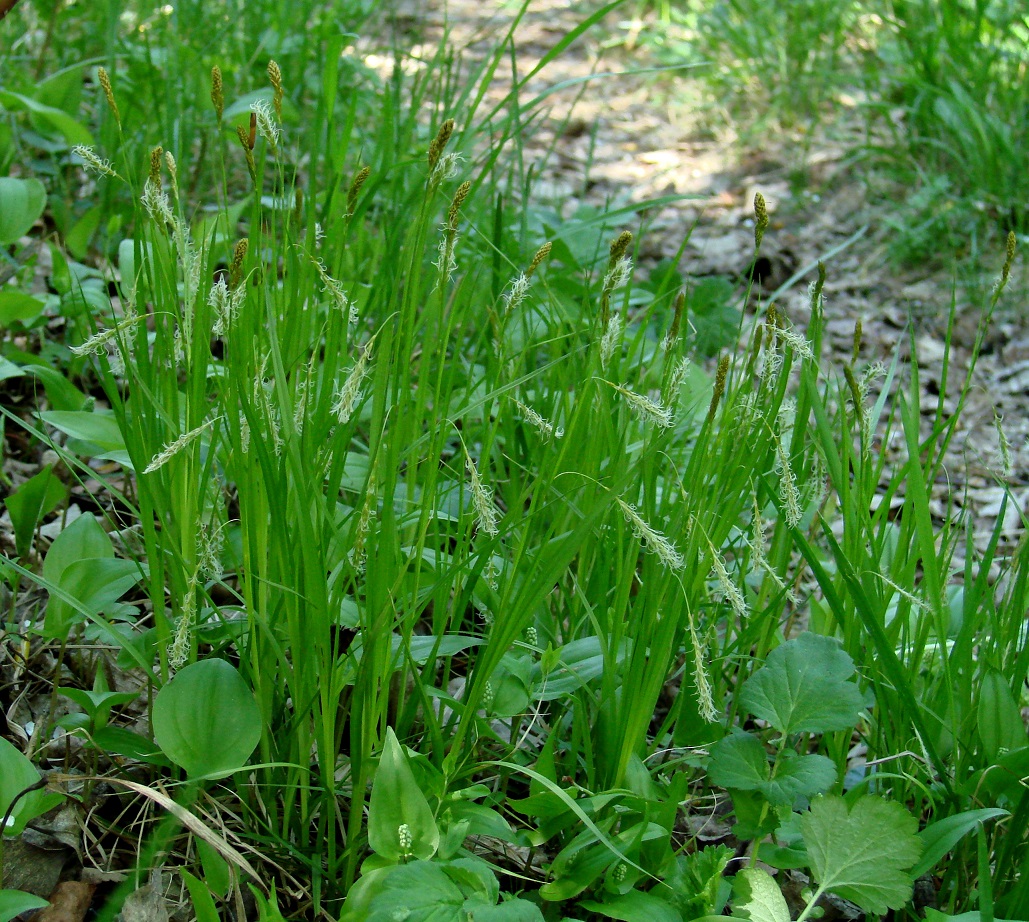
350, 391
98, 342
446, 168
544, 427
611, 339
730, 590
618, 274
705, 700
796, 342
265, 123
653, 540
485, 510
92, 163
676, 380
789, 495
646, 408
173, 448
515, 295
155, 201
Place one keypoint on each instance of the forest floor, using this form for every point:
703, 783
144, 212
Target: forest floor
610, 136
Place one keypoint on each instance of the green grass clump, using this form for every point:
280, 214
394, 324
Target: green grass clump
434, 543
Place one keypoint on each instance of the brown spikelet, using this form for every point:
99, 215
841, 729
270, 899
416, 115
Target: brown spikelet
239, 255
455, 205
105, 83
618, 247
245, 140
1009, 259
355, 187
275, 76
217, 96
541, 254
439, 143
252, 134
156, 156
855, 393
678, 309
760, 219
719, 391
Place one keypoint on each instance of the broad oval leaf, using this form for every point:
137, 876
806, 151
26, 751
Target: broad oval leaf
758, 897
206, 720
21, 203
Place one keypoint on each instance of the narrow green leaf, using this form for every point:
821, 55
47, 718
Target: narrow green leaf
634, 906
940, 837
203, 903
15, 902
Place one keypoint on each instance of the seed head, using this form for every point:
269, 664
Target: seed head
856, 345
239, 255
482, 498
93, 163
275, 76
246, 141
105, 83
618, 247
355, 188
678, 309
1005, 272
760, 219
720, 375
217, 97
155, 164
541, 254
455, 205
653, 541
439, 143
1007, 467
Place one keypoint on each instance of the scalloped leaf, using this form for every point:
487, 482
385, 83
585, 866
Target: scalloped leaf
863, 853
803, 687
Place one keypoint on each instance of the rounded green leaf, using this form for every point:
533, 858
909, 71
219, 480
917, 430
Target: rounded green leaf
21, 203
206, 719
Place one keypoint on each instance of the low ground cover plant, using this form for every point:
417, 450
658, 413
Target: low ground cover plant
426, 570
